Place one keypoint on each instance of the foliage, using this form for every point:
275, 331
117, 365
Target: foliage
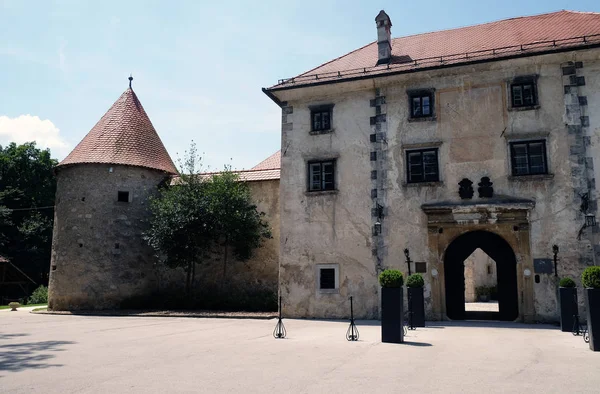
494, 293
39, 296
391, 278
482, 291
567, 282
415, 280
27, 190
591, 277
14, 305
199, 214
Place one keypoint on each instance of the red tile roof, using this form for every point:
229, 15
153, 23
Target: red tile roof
271, 162
124, 135
267, 170
524, 36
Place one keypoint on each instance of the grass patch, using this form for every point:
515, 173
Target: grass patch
22, 306
40, 309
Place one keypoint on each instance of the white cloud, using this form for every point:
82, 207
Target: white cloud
27, 128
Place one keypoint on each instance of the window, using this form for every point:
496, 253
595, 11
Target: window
528, 157
321, 175
523, 93
422, 165
123, 196
321, 118
328, 278
421, 104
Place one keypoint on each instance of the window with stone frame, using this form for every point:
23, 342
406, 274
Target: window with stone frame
528, 157
321, 175
523, 92
123, 196
321, 117
328, 278
422, 165
421, 103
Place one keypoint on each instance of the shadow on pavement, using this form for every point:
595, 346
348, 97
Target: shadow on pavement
19, 356
490, 324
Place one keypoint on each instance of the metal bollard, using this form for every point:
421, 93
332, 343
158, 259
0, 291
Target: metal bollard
279, 332
352, 333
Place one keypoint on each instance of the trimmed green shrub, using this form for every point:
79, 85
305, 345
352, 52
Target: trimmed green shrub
567, 282
591, 277
415, 280
39, 296
391, 278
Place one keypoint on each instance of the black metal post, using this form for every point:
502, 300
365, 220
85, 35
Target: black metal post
352, 333
555, 251
279, 332
407, 254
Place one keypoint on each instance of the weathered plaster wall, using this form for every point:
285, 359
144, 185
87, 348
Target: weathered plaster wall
477, 274
98, 255
472, 128
261, 271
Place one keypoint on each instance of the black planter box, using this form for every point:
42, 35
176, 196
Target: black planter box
568, 307
416, 305
592, 298
392, 314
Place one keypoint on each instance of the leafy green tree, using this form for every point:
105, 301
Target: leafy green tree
198, 213
237, 225
27, 192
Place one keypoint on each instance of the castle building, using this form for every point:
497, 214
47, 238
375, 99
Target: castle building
415, 152
99, 257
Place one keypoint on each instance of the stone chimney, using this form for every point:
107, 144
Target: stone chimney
384, 37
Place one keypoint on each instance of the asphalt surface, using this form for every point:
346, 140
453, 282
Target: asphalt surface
83, 354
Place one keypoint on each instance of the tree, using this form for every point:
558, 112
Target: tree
198, 213
237, 225
27, 192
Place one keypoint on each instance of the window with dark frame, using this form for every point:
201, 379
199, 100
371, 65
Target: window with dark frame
321, 175
327, 278
528, 157
321, 118
422, 165
123, 196
421, 104
523, 94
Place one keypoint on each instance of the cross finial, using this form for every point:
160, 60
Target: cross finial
130, 79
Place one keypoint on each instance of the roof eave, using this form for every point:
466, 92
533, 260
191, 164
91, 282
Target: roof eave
269, 91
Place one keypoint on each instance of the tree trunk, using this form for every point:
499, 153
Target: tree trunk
188, 279
193, 274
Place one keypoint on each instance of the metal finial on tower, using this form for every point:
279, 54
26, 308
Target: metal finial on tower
130, 79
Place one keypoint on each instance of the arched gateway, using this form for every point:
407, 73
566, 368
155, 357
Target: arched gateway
501, 252
498, 226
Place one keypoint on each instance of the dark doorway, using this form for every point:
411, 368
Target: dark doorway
454, 271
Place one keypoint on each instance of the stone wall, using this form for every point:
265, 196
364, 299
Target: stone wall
472, 128
98, 255
480, 270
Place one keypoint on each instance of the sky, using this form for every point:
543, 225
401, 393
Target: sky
198, 66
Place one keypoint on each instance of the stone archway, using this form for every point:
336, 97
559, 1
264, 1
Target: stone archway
501, 252
508, 219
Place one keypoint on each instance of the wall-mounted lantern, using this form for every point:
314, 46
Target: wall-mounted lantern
377, 228
590, 220
555, 252
407, 255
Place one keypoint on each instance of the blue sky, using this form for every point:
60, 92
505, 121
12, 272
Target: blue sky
198, 66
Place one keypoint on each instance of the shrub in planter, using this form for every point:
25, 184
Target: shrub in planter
482, 293
13, 306
392, 305
567, 294
591, 283
416, 300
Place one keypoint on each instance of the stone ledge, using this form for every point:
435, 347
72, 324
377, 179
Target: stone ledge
321, 193
165, 313
530, 178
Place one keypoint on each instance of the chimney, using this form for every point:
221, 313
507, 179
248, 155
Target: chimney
384, 37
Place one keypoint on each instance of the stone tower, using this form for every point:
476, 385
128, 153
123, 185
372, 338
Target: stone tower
99, 257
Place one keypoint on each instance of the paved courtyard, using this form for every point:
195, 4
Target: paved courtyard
81, 354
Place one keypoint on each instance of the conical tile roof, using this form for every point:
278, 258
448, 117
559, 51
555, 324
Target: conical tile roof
124, 135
